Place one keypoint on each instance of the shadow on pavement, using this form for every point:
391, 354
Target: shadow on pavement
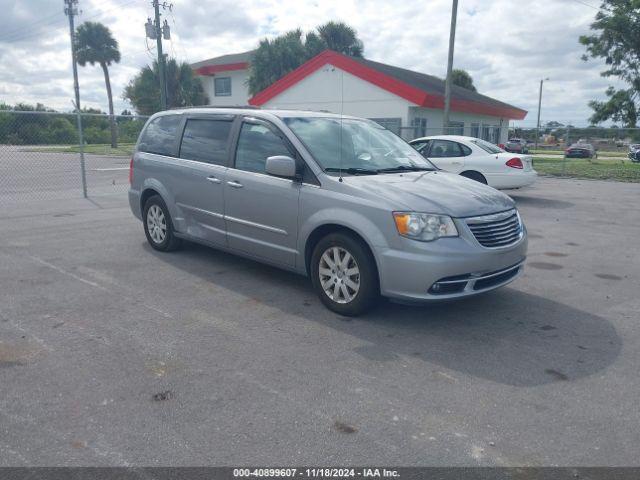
506, 336
539, 202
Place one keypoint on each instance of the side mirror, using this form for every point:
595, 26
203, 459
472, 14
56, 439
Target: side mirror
281, 166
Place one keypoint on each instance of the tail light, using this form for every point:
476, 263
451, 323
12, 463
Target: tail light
515, 162
131, 171
501, 145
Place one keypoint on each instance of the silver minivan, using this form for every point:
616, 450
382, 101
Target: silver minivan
340, 199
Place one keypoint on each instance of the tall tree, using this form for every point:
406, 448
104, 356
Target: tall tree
341, 38
463, 79
275, 58
183, 88
95, 44
616, 39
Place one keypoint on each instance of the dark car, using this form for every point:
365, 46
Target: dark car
581, 150
516, 145
634, 152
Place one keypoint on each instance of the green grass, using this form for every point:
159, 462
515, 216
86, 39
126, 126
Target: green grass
618, 170
124, 149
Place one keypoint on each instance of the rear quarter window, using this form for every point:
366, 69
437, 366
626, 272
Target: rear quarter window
160, 135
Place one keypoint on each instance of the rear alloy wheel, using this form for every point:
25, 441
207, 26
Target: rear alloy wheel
344, 274
157, 225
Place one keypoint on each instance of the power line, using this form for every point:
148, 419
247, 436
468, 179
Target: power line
586, 4
17, 36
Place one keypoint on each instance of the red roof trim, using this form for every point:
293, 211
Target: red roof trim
213, 69
386, 82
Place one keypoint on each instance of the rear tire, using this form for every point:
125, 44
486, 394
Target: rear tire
158, 227
344, 274
473, 175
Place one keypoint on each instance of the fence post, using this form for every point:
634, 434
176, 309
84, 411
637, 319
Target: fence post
83, 171
564, 158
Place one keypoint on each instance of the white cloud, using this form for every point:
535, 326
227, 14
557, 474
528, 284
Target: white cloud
506, 45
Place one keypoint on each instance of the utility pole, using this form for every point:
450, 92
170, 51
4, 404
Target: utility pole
71, 10
539, 106
156, 31
447, 84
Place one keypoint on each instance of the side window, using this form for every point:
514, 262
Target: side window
222, 86
255, 144
466, 151
206, 141
444, 149
160, 135
422, 146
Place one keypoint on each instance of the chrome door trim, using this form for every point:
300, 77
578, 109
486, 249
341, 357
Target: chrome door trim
256, 225
200, 210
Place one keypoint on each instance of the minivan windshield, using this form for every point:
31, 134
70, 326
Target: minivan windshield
356, 147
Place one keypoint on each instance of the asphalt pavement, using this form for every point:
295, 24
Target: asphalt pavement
114, 354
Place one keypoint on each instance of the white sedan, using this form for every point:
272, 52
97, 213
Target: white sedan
477, 159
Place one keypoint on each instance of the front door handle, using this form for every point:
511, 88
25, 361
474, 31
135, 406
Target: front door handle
213, 179
234, 184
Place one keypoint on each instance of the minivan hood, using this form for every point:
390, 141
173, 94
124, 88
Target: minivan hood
434, 192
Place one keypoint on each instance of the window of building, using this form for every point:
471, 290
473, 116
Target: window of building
475, 130
222, 86
206, 141
456, 128
256, 143
420, 127
160, 135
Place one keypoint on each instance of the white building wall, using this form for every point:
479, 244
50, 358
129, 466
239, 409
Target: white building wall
239, 88
334, 90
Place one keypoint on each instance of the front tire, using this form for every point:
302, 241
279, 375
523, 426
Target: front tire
158, 227
344, 274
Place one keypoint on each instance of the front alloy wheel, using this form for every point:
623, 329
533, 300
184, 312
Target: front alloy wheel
344, 274
339, 275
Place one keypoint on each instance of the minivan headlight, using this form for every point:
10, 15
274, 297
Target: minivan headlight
424, 226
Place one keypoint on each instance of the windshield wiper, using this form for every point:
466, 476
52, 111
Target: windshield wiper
352, 170
405, 168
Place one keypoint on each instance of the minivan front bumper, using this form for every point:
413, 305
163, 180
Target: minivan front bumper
459, 266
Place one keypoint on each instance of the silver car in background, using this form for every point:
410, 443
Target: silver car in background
339, 199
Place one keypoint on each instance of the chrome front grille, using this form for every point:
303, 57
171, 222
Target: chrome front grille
497, 230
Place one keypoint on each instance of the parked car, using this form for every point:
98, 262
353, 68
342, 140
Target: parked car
581, 150
478, 160
339, 199
634, 152
516, 145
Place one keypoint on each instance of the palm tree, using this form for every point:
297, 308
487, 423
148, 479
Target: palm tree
340, 37
95, 44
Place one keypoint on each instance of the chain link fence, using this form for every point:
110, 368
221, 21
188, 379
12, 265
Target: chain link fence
41, 158
608, 140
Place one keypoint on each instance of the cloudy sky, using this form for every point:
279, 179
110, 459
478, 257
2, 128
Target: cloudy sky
506, 45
